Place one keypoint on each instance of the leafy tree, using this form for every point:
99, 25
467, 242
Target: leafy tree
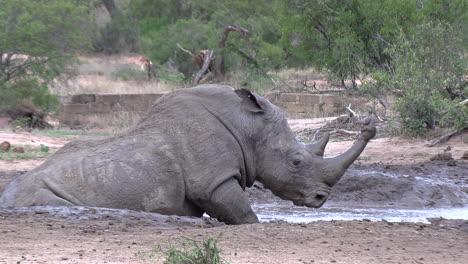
428, 71
37, 43
406, 47
199, 24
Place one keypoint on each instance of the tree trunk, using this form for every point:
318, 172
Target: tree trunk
222, 44
111, 7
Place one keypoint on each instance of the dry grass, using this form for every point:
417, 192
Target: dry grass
297, 74
104, 75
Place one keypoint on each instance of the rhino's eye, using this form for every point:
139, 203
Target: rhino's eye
296, 162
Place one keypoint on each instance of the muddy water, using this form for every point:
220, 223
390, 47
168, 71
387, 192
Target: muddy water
409, 193
294, 214
399, 193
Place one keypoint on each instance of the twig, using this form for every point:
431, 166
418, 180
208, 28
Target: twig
184, 50
351, 110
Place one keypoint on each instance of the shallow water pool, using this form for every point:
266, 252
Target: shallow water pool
295, 214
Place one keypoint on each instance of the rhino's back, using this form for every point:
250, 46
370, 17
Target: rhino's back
125, 172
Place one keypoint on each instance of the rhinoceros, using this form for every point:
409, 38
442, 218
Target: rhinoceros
195, 151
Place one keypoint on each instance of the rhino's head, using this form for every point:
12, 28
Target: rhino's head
296, 171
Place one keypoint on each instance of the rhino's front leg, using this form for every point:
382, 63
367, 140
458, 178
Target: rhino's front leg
229, 204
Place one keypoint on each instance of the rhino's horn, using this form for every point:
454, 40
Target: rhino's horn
338, 165
318, 148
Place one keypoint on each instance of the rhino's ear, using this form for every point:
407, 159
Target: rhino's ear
249, 101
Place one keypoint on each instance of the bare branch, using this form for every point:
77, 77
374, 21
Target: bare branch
206, 63
351, 111
244, 33
327, 7
222, 43
379, 37
344, 131
184, 50
446, 138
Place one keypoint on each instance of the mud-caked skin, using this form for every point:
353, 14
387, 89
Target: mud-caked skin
195, 151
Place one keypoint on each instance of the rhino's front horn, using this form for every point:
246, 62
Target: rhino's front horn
338, 165
318, 148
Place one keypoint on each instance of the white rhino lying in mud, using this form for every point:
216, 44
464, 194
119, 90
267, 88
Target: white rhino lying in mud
195, 151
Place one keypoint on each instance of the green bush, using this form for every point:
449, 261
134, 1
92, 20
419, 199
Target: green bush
428, 74
44, 148
130, 73
188, 251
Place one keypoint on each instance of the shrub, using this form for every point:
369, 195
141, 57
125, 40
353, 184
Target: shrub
189, 251
428, 74
130, 73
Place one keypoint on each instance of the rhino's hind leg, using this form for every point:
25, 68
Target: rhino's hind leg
228, 203
18, 197
49, 198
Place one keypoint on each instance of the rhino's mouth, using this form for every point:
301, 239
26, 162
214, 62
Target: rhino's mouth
314, 200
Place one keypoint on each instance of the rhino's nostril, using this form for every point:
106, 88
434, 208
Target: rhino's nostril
319, 197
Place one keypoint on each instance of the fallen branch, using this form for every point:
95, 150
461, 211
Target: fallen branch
344, 131
446, 138
351, 110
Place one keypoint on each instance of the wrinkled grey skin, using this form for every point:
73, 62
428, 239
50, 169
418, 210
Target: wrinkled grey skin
195, 151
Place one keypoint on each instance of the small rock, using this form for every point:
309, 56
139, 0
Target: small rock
465, 155
5, 146
18, 150
451, 163
442, 156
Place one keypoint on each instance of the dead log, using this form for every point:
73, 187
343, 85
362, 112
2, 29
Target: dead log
446, 138
27, 114
202, 58
205, 58
344, 132
207, 61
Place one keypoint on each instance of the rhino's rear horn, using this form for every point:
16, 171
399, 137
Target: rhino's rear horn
318, 148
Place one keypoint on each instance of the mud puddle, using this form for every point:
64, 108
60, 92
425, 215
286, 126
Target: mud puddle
394, 193
294, 214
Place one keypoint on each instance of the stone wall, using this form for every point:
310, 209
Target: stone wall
298, 105
101, 111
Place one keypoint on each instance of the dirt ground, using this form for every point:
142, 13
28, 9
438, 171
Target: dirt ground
88, 235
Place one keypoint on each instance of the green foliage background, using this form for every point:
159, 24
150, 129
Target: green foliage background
411, 49
49, 32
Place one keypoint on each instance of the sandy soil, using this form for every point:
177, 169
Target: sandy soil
40, 238
95, 236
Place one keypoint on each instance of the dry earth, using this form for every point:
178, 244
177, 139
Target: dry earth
88, 235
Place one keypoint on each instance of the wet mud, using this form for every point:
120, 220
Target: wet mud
422, 185
100, 235
365, 192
